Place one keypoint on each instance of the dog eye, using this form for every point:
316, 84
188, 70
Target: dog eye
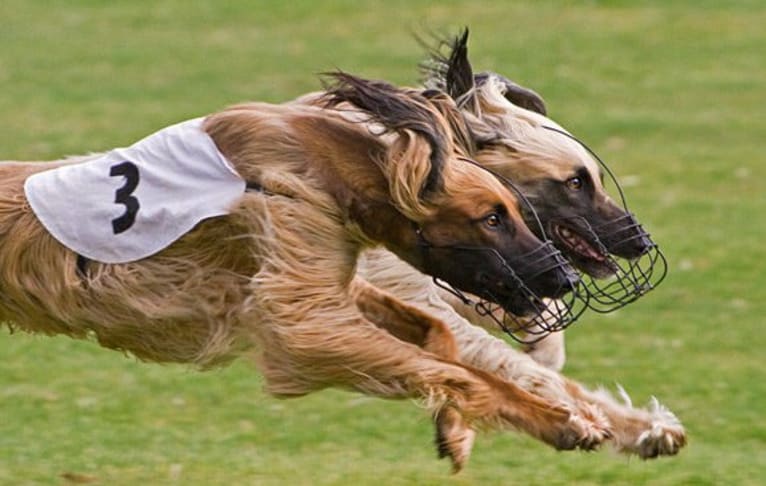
493, 220
574, 183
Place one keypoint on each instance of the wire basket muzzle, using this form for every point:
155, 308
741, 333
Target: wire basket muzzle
632, 277
541, 315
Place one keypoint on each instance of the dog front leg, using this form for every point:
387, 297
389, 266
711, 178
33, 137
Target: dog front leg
550, 351
404, 321
454, 436
648, 433
356, 354
645, 432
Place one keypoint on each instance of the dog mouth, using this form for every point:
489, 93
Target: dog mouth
584, 254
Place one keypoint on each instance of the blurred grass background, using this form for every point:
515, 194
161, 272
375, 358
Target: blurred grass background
671, 93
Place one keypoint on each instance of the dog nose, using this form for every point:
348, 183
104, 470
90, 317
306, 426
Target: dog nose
569, 281
566, 281
644, 244
633, 247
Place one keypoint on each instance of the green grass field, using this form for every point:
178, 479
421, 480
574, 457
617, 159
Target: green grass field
671, 93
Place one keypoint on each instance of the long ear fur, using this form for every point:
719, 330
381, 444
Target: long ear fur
397, 110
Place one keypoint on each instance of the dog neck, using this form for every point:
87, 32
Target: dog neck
334, 156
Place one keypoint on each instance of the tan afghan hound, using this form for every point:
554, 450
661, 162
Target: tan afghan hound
271, 278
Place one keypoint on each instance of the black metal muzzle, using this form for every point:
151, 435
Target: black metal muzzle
637, 263
528, 296
537, 292
541, 316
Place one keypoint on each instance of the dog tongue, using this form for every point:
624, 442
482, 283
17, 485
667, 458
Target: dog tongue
585, 249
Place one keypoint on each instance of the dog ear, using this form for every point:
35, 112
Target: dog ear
459, 77
451, 72
397, 110
515, 93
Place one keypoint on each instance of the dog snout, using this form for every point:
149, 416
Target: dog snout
644, 245
569, 281
557, 278
633, 247
564, 280
629, 240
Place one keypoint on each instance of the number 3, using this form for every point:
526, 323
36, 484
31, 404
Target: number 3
123, 196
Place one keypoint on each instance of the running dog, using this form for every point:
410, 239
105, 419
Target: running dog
261, 260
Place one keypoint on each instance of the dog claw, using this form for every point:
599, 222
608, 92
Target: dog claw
661, 440
665, 435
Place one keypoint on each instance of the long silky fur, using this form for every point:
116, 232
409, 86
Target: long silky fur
380, 99
273, 279
523, 130
644, 432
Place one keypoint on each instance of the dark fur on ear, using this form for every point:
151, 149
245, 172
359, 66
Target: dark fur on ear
450, 72
515, 93
394, 108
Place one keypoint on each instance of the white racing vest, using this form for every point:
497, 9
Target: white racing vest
132, 202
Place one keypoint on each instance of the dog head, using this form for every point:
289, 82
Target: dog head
479, 242
457, 221
566, 187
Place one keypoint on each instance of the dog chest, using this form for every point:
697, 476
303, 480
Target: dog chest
133, 202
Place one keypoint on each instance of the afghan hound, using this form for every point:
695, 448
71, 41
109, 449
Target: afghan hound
513, 137
269, 274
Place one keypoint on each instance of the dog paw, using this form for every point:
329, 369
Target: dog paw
665, 435
594, 428
586, 429
454, 438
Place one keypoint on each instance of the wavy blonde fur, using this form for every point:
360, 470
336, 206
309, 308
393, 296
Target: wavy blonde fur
273, 279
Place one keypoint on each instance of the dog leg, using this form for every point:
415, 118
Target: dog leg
642, 432
358, 355
403, 320
384, 270
454, 436
550, 351
647, 433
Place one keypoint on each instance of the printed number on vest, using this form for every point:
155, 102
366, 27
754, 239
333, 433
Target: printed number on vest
123, 195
